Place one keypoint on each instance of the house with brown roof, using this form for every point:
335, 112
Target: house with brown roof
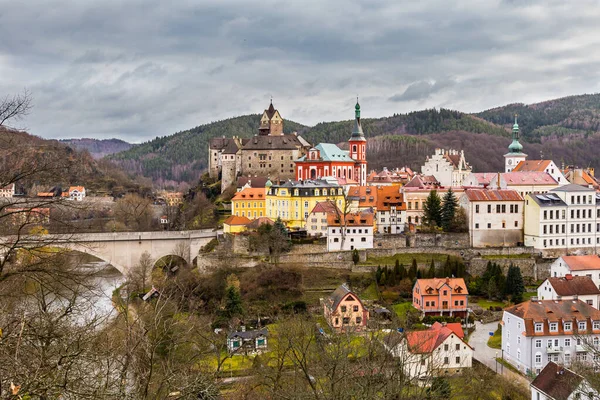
344, 311
448, 166
495, 217
555, 382
570, 287
581, 176
391, 210
350, 231
584, 265
547, 166
536, 332
441, 296
439, 350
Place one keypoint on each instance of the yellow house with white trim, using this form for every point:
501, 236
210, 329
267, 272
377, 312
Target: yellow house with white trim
294, 200
249, 203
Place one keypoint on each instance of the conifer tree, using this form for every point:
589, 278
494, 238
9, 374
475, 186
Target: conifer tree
432, 210
403, 273
412, 273
448, 210
431, 272
514, 286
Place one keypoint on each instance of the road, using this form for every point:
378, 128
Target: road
487, 355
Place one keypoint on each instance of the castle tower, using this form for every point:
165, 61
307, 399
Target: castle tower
271, 122
358, 148
515, 150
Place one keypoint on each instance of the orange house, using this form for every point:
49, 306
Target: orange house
441, 296
344, 311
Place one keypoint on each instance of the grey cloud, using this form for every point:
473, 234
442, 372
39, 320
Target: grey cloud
142, 68
422, 90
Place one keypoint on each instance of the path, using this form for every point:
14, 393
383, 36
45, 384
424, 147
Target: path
487, 355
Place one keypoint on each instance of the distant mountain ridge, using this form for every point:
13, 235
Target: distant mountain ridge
98, 148
566, 129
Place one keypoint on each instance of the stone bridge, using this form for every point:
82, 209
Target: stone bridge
122, 249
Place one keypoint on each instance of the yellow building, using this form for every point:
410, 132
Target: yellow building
249, 202
235, 224
294, 200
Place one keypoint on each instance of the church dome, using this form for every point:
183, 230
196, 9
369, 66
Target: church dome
515, 146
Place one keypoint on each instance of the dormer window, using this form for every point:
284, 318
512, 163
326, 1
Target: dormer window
596, 325
554, 327
582, 325
568, 326
539, 327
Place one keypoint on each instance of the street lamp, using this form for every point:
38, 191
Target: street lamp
496, 359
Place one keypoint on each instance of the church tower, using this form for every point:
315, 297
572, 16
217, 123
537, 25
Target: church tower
515, 150
271, 122
358, 149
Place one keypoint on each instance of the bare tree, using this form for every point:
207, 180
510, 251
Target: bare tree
15, 107
134, 212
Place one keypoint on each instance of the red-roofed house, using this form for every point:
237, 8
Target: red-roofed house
588, 265
439, 350
235, 224
441, 296
350, 231
555, 382
542, 166
525, 182
316, 222
495, 217
391, 210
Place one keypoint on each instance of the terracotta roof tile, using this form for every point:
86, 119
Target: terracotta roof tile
492, 195
235, 220
573, 285
250, 194
532, 166
582, 263
528, 178
456, 284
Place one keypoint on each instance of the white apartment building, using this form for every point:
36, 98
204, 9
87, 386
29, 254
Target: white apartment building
495, 217
567, 217
570, 287
350, 231
391, 210
448, 166
438, 350
586, 265
536, 332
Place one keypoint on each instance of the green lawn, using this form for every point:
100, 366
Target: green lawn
495, 342
485, 303
370, 293
423, 259
528, 295
402, 308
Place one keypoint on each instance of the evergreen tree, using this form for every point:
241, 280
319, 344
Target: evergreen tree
397, 270
431, 272
432, 210
440, 389
514, 284
233, 302
403, 273
419, 274
378, 275
412, 273
383, 278
448, 210
355, 256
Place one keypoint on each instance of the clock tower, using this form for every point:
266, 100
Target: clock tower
515, 150
358, 148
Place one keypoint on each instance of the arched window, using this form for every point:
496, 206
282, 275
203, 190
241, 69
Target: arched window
354, 148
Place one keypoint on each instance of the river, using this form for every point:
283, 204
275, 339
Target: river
105, 278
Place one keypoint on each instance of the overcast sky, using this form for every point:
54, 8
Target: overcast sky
135, 69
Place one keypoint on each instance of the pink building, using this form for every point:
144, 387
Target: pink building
441, 296
344, 311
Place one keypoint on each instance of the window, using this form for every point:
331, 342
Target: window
596, 325
446, 347
567, 358
518, 339
446, 361
355, 308
519, 354
344, 308
568, 342
489, 226
458, 346
554, 327
538, 343
346, 320
489, 208
476, 208
358, 320
568, 326
457, 360
539, 327
582, 325
476, 226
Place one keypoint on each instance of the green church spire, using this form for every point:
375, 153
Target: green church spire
357, 132
515, 146
357, 109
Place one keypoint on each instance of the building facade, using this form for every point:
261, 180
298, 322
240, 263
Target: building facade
270, 153
555, 382
326, 159
584, 265
350, 231
495, 217
292, 201
316, 223
448, 166
547, 166
344, 311
249, 202
570, 287
7, 191
539, 331
441, 296
567, 217
391, 210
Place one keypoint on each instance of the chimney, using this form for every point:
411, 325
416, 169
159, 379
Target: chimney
569, 277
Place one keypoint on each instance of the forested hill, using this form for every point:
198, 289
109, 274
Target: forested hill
183, 155
57, 164
98, 148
